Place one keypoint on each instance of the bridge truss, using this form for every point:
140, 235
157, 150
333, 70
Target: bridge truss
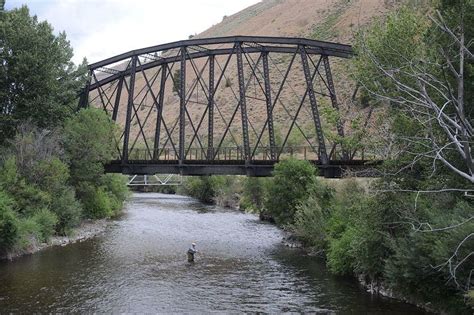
227, 105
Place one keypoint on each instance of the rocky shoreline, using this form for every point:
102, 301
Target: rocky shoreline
86, 230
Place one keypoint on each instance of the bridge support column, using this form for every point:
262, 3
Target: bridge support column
210, 105
159, 114
131, 89
314, 107
243, 103
335, 105
182, 104
268, 99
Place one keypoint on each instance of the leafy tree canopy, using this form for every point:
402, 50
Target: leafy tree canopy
38, 80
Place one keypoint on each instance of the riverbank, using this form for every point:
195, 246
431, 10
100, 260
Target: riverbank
341, 221
85, 231
291, 240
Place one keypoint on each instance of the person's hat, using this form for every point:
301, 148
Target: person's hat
194, 244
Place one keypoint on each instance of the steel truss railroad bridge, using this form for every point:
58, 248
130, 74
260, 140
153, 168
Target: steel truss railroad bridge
226, 105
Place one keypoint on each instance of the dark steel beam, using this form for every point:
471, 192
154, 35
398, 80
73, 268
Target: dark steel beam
99, 92
159, 114
314, 107
176, 123
268, 99
335, 105
206, 53
117, 99
277, 96
243, 103
182, 103
202, 167
138, 108
199, 79
327, 47
129, 110
293, 122
210, 107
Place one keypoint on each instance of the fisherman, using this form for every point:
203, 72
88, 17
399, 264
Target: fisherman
191, 251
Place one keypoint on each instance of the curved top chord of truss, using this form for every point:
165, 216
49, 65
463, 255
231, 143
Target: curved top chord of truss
204, 47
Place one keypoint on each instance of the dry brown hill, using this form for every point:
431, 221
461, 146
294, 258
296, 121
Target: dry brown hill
333, 20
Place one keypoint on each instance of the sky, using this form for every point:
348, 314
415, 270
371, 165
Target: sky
98, 29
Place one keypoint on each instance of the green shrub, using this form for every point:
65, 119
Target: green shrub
310, 222
8, 173
253, 193
46, 221
29, 198
95, 200
67, 209
339, 258
116, 186
290, 185
26, 197
227, 191
9, 232
51, 175
203, 188
418, 266
89, 142
29, 232
312, 214
358, 230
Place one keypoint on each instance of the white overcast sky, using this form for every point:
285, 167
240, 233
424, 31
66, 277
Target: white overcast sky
98, 29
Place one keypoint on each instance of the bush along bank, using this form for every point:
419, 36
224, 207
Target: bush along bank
51, 156
224, 191
375, 236
361, 233
51, 181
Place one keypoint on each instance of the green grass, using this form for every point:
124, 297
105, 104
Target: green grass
325, 30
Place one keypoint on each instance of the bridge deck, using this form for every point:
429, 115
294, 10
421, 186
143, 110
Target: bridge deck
259, 168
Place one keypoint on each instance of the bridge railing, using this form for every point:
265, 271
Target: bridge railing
236, 153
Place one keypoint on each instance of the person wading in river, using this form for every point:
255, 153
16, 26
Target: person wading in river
191, 251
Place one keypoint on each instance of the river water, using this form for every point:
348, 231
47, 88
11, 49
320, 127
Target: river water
139, 265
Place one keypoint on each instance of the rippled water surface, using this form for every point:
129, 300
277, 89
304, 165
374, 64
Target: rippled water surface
139, 265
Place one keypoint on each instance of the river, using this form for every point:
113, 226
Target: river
139, 265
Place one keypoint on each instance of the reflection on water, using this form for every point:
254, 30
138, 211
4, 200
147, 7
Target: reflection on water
139, 265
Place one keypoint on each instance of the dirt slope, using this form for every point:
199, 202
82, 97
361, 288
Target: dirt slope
334, 20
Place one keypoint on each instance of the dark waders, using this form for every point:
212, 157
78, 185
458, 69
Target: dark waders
190, 256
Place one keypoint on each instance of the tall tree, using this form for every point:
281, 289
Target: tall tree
38, 80
418, 65
421, 65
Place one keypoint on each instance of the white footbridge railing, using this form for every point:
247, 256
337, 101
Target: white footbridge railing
155, 180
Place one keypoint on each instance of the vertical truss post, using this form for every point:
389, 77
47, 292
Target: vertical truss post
129, 109
335, 105
268, 99
182, 103
159, 114
210, 105
84, 99
117, 99
243, 103
314, 107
